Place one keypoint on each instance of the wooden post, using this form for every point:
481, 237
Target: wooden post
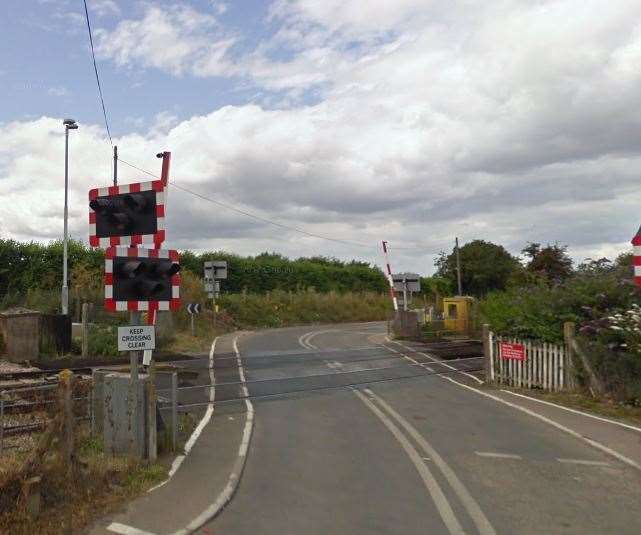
1, 422
570, 369
576, 354
487, 352
85, 329
65, 401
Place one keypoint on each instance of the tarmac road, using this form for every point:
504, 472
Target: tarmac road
413, 455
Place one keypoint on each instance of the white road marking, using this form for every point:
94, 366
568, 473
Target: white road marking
443, 506
498, 455
122, 529
434, 359
239, 465
177, 462
583, 461
575, 411
302, 341
474, 510
549, 421
316, 333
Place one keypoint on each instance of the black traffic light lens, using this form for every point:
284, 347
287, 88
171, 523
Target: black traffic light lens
136, 202
149, 288
132, 269
143, 278
125, 214
119, 220
165, 269
101, 205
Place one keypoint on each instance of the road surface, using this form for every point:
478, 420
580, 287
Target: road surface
415, 455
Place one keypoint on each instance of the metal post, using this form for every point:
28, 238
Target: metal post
174, 411
65, 287
85, 329
213, 300
404, 295
134, 421
69, 124
115, 165
193, 329
92, 412
458, 269
152, 444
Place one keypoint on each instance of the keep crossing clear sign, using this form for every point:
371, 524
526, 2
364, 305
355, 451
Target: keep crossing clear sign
136, 338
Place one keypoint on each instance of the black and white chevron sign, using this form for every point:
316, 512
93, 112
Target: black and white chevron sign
193, 308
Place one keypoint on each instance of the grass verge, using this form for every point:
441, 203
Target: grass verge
100, 484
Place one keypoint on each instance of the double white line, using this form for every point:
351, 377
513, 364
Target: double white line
387, 414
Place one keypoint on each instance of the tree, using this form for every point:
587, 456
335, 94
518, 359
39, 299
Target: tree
550, 262
485, 266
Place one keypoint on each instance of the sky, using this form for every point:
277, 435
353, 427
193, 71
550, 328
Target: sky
412, 121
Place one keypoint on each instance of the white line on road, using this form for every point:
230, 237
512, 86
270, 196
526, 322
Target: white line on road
575, 411
443, 506
302, 341
177, 462
316, 333
122, 529
239, 465
498, 455
549, 421
583, 461
434, 359
474, 510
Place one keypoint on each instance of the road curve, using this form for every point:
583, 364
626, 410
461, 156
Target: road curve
414, 455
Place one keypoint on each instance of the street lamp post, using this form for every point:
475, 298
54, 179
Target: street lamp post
70, 124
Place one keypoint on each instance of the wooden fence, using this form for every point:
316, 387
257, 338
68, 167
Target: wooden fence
544, 365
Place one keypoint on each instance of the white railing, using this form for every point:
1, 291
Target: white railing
544, 365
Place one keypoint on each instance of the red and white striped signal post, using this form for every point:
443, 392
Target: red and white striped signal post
389, 277
121, 218
636, 259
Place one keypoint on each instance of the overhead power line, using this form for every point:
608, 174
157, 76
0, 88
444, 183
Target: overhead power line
249, 214
95, 68
260, 218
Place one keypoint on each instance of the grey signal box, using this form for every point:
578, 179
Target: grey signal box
215, 270
409, 282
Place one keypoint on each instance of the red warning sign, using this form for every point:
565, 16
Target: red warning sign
512, 351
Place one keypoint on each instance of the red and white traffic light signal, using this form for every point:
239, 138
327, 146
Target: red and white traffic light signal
131, 214
139, 279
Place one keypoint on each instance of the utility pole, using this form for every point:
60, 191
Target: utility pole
69, 124
115, 165
458, 269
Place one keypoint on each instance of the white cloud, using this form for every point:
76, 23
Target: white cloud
104, 7
58, 91
178, 39
513, 122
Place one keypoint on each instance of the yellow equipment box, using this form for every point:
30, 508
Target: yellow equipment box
458, 313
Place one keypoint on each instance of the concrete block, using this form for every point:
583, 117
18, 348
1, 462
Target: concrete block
124, 414
21, 333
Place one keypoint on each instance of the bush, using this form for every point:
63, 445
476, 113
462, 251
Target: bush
619, 371
103, 341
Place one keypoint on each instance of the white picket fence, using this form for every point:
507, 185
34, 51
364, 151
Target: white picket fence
545, 365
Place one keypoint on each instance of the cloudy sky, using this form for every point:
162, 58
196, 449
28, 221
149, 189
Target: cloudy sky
412, 121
